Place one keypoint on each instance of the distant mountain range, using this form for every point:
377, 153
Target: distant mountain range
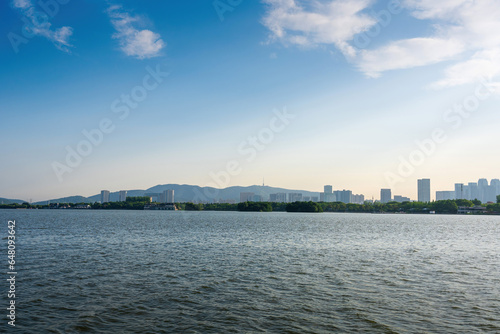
182, 193
10, 201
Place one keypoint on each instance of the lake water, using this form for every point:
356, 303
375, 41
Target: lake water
230, 272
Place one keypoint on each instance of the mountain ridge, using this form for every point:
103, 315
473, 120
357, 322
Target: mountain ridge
188, 193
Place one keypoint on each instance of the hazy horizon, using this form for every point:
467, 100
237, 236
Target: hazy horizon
361, 95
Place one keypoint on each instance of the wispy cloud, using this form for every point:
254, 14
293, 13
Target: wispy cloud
407, 53
40, 25
462, 31
330, 22
24, 4
483, 64
134, 42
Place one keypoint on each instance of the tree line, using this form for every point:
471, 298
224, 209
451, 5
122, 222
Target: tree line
138, 203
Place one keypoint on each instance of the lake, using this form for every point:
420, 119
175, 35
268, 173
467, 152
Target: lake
232, 272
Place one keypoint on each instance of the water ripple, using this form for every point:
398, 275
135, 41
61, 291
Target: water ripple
209, 272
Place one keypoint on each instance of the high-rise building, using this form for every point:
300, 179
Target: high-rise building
483, 190
331, 197
424, 190
327, 194
495, 185
466, 192
459, 191
294, 197
344, 196
358, 199
472, 191
167, 196
257, 198
278, 197
385, 195
123, 195
401, 199
246, 197
104, 196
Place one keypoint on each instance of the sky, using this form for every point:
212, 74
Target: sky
358, 94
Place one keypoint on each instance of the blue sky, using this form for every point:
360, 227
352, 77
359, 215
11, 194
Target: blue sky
364, 82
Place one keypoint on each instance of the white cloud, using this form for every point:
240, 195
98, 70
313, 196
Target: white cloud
483, 64
432, 9
40, 25
463, 31
134, 42
23, 4
331, 22
62, 35
407, 54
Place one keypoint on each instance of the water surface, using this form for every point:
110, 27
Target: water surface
231, 272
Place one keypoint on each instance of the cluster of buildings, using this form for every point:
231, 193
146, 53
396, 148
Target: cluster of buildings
344, 196
423, 190
481, 190
105, 198
166, 196
386, 197
277, 198
328, 195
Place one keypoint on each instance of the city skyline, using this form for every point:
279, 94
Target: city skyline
483, 190
366, 95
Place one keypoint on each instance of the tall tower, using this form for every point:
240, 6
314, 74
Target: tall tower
424, 190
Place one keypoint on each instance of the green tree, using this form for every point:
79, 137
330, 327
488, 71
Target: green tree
464, 202
303, 207
493, 208
255, 206
447, 206
193, 207
138, 199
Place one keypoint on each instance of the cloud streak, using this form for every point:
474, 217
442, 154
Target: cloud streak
407, 53
39, 25
136, 43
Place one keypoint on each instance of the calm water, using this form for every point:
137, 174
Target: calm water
228, 272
